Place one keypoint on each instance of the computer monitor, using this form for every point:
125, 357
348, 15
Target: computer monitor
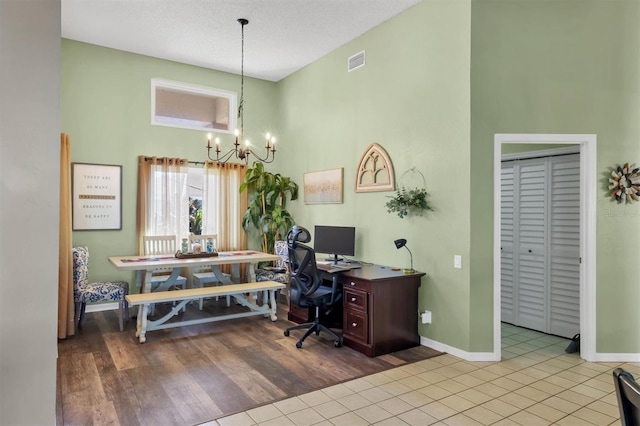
335, 241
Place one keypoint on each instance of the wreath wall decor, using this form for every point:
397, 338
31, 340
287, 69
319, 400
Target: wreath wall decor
409, 201
624, 183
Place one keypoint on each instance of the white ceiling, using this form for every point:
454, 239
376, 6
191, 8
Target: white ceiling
282, 35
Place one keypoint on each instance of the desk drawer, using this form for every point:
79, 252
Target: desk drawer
356, 326
355, 300
357, 284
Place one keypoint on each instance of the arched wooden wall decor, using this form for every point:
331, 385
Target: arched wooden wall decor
375, 171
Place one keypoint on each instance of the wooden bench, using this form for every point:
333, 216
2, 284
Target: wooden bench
245, 294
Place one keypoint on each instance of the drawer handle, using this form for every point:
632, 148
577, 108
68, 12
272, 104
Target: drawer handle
354, 324
353, 299
352, 283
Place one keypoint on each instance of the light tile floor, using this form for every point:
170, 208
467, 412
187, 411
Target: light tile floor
536, 383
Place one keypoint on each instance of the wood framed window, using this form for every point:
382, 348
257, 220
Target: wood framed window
190, 106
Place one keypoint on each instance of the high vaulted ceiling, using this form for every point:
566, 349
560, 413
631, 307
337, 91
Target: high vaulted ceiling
282, 35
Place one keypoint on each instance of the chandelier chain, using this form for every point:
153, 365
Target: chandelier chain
241, 148
241, 103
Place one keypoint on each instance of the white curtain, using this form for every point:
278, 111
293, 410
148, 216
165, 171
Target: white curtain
223, 206
168, 198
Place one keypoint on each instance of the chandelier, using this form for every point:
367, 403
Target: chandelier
242, 147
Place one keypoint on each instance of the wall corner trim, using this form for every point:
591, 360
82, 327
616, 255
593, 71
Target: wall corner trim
467, 356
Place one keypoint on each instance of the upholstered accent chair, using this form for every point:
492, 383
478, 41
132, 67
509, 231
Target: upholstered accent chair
280, 272
85, 292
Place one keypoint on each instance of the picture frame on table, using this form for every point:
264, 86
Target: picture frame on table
96, 197
323, 187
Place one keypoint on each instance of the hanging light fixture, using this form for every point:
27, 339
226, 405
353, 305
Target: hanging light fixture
242, 147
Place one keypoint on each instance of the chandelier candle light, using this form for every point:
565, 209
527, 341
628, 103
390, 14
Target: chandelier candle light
242, 152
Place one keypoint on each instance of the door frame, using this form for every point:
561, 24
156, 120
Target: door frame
588, 188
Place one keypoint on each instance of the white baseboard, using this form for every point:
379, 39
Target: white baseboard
490, 356
467, 356
616, 357
99, 307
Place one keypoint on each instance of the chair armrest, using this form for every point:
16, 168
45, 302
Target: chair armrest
336, 287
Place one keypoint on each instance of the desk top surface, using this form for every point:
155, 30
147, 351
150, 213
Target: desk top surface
371, 272
135, 263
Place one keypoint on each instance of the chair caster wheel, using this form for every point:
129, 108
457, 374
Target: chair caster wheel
298, 345
286, 333
337, 343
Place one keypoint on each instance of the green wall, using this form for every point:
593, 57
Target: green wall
106, 110
440, 80
413, 98
562, 67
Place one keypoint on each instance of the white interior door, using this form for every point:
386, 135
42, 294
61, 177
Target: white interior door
540, 244
564, 245
531, 303
508, 267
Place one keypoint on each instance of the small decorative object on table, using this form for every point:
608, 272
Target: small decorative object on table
180, 255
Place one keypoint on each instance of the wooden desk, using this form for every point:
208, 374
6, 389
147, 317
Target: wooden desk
380, 308
148, 264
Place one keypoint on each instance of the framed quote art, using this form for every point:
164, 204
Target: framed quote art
324, 187
97, 196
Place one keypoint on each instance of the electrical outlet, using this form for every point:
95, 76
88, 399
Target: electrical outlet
457, 261
426, 317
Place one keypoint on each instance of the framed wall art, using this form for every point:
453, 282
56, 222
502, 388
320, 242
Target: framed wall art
375, 171
97, 196
324, 187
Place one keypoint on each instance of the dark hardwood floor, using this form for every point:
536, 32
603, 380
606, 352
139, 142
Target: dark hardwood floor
190, 375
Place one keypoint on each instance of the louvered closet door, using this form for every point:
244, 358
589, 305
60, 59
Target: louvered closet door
531, 301
507, 266
564, 252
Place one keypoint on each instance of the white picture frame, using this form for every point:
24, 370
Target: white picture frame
97, 197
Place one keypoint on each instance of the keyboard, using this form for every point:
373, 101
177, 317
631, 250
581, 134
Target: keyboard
338, 269
345, 267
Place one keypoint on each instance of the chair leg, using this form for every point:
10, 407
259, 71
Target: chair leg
120, 315
198, 284
78, 307
314, 327
81, 318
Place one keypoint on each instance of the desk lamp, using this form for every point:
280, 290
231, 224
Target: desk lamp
403, 243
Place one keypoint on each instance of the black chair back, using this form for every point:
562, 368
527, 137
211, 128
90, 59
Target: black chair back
628, 392
306, 289
305, 279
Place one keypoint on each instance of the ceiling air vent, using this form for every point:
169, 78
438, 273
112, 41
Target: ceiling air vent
356, 61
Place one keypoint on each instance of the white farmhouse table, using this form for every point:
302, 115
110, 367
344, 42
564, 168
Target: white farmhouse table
148, 264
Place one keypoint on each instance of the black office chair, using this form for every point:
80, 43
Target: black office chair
628, 392
306, 289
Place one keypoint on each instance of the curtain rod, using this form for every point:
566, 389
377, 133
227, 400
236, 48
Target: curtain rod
202, 163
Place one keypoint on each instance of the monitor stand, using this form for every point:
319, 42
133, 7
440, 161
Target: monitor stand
335, 259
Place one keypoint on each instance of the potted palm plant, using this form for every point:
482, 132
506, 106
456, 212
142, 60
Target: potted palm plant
267, 205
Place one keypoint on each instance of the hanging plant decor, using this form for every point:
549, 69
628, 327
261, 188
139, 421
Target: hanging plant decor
624, 183
412, 201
